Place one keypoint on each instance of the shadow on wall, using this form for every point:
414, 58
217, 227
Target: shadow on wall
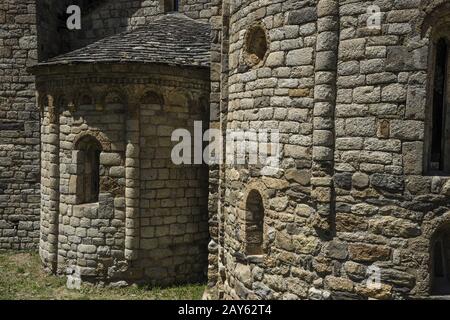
99, 19
441, 261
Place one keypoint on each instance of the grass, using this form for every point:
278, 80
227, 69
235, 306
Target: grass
22, 278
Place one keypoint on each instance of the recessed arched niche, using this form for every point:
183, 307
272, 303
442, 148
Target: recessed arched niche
114, 97
440, 261
256, 45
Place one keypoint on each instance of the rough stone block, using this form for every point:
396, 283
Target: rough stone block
299, 17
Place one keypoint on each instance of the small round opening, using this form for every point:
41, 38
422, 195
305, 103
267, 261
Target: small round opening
255, 46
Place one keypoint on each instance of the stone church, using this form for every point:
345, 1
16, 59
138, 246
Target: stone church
359, 207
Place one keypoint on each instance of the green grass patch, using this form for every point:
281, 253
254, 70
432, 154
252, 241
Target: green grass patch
23, 278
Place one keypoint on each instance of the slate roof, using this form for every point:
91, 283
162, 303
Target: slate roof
173, 39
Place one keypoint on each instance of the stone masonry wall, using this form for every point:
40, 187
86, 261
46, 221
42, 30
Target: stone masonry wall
278, 93
174, 198
86, 236
19, 127
30, 32
151, 220
387, 208
216, 114
91, 236
353, 194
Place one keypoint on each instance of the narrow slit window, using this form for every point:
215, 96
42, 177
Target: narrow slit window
439, 121
438, 260
88, 181
254, 224
170, 5
91, 174
441, 262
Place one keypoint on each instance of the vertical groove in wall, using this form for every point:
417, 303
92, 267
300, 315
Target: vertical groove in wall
324, 105
50, 183
223, 115
214, 169
132, 182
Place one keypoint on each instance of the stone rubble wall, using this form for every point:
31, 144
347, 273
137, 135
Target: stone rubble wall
91, 236
174, 198
277, 95
216, 114
31, 31
19, 127
151, 220
49, 213
387, 210
382, 209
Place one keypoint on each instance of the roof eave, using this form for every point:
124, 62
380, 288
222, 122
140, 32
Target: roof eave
40, 67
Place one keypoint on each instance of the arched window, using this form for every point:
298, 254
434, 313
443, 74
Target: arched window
254, 224
439, 144
440, 266
88, 162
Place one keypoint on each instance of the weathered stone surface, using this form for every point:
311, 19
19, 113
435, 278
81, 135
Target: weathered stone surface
305, 15
355, 271
360, 180
368, 253
360, 127
83, 248
336, 250
382, 292
322, 265
350, 223
352, 188
304, 210
316, 294
364, 209
276, 282
388, 182
395, 227
338, 284
302, 177
299, 57
396, 277
262, 290
393, 93
407, 129
352, 49
284, 242
343, 180
418, 184
244, 274
275, 59
279, 203
306, 244
110, 159
413, 164
446, 188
